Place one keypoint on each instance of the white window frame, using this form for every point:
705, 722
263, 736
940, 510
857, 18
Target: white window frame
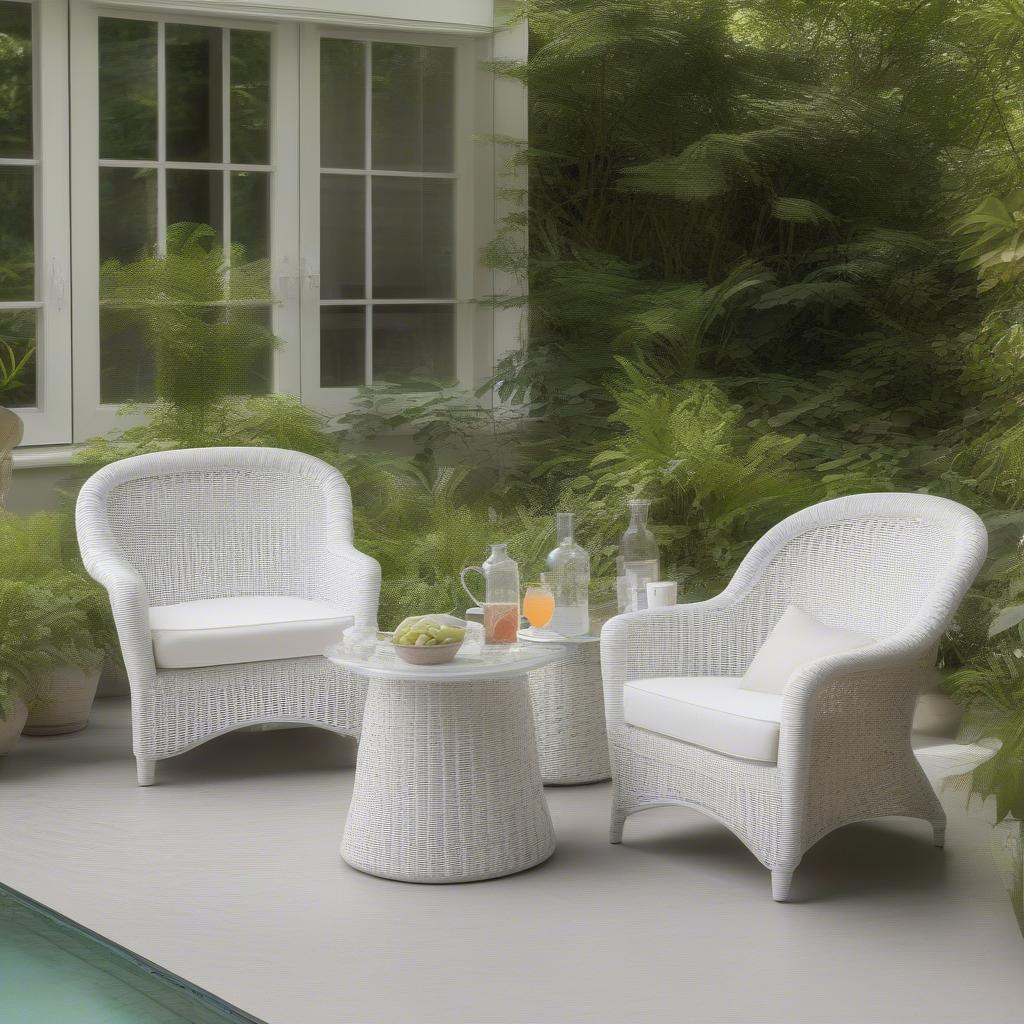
463, 174
49, 420
92, 416
68, 376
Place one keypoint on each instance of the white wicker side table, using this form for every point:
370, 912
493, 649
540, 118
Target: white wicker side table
447, 785
568, 710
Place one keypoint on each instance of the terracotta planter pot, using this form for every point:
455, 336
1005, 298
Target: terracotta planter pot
69, 696
11, 726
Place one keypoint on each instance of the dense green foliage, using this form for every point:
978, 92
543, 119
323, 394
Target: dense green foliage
51, 613
766, 195
774, 251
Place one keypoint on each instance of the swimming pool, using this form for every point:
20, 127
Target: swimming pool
53, 971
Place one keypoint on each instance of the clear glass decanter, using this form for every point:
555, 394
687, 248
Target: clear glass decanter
638, 562
569, 567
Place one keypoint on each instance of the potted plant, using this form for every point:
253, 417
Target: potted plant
991, 690
39, 630
40, 553
67, 691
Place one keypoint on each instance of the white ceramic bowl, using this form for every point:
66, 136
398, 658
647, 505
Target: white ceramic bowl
439, 654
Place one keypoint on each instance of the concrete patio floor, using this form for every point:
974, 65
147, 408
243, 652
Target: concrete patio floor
227, 873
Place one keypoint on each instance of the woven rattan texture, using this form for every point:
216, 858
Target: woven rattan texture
894, 566
568, 709
222, 522
447, 785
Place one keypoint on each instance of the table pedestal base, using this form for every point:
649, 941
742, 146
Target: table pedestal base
447, 785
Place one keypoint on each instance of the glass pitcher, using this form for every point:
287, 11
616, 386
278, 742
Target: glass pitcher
501, 596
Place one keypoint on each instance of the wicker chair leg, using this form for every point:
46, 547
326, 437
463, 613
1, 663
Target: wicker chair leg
615, 830
939, 833
781, 882
146, 771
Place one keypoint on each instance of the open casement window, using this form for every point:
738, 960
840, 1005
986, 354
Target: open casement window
341, 162
35, 331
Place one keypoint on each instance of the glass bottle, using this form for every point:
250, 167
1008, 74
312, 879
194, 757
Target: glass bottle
638, 562
501, 596
569, 569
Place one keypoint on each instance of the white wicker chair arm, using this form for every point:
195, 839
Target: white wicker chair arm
351, 579
129, 604
698, 639
129, 600
839, 716
883, 669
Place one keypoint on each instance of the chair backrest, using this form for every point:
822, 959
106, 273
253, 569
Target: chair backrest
217, 522
875, 563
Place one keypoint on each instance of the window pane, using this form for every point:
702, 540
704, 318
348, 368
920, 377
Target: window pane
413, 246
250, 97
250, 213
126, 363
17, 358
342, 346
413, 107
342, 103
128, 91
127, 212
342, 236
260, 376
16, 76
128, 366
194, 99
17, 235
414, 343
196, 197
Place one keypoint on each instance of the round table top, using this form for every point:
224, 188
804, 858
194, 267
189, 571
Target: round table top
470, 663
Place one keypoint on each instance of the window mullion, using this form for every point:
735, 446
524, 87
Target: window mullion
161, 137
48, 421
225, 145
368, 207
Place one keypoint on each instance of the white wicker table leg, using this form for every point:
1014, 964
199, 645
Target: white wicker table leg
568, 707
447, 785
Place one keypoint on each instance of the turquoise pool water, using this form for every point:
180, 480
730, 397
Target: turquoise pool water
53, 972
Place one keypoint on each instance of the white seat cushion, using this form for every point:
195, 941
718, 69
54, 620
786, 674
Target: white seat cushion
796, 641
709, 711
231, 630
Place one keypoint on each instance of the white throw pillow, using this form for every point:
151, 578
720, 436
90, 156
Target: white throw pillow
797, 640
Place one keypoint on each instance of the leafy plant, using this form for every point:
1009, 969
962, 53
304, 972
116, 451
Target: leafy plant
40, 629
274, 421
713, 482
13, 366
40, 552
991, 690
424, 528
201, 309
995, 229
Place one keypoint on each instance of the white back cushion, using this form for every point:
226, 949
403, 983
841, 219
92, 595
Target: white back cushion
797, 640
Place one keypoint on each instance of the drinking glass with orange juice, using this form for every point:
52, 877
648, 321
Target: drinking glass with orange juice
539, 605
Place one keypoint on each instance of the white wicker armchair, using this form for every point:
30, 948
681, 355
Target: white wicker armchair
226, 569
893, 566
